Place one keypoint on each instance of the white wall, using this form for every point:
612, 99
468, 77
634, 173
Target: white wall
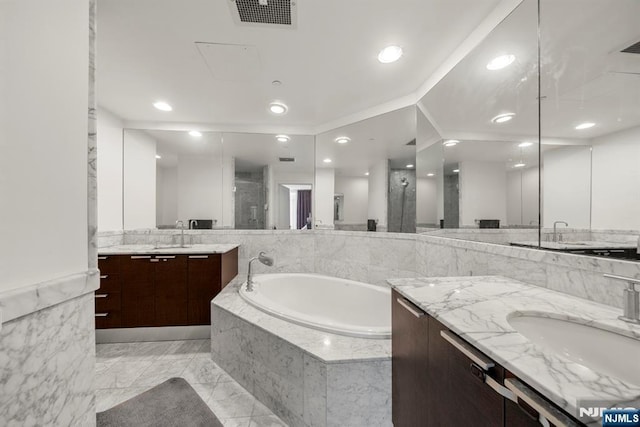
323, 196
139, 180
427, 200
199, 188
167, 195
522, 196
228, 196
356, 193
483, 192
109, 141
378, 193
567, 186
616, 181
43, 140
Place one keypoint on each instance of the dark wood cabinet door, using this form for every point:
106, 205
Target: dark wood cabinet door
171, 290
515, 416
466, 399
204, 283
409, 368
138, 305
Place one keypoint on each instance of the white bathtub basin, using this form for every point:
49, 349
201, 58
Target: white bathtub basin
330, 304
602, 351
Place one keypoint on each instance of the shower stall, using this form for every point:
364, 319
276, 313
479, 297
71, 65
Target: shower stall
401, 208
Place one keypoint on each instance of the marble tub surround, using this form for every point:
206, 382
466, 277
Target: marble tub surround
152, 249
577, 244
47, 366
306, 377
477, 309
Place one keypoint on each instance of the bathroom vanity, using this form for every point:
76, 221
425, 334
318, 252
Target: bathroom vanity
459, 359
144, 286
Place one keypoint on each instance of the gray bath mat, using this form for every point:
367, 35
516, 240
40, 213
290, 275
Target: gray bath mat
172, 403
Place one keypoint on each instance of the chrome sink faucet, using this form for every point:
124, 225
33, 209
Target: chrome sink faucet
631, 298
555, 232
181, 225
193, 223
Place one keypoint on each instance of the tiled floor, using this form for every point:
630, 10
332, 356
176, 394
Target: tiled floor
125, 370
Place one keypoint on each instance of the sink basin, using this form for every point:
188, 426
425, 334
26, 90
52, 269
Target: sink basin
601, 351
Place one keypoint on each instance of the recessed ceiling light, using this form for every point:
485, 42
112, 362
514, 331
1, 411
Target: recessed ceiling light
456, 170
283, 138
450, 142
585, 125
342, 139
278, 108
162, 106
195, 133
500, 62
409, 166
158, 156
519, 165
525, 144
431, 174
327, 160
390, 54
366, 174
502, 118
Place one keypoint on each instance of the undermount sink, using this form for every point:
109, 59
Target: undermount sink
602, 351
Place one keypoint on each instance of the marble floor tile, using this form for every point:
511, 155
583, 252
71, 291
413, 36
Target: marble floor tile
126, 370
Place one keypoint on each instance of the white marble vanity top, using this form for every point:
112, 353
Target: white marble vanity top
583, 244
477, 308
166, 249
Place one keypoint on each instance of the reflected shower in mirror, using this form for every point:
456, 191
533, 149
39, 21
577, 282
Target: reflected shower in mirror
370, 166
271, 182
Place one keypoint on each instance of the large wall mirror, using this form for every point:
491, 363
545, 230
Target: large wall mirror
366, 175
211, 180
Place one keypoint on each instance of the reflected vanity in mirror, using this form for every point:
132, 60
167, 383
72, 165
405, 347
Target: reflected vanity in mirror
368, 170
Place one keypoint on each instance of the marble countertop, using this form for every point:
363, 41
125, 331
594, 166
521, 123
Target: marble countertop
477, 307
586, 244
166, 249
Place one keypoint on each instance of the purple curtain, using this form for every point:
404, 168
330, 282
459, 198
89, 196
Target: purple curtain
304, 207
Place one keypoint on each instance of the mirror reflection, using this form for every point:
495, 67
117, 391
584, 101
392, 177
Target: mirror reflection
366, 172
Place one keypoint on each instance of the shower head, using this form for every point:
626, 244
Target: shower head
404, 182
266, 260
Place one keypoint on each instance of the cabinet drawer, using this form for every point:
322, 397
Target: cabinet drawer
109, 264
107, 302
108, 319
110, 283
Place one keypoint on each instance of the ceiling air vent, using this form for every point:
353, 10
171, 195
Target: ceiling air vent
411, 143
287, 159
634, 48
264, 12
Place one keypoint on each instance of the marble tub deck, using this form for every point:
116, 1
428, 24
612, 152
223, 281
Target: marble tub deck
306, 377
477, 308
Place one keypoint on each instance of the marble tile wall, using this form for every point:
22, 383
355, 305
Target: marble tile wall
47, 362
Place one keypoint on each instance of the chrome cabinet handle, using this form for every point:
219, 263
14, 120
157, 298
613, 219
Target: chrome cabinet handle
101, 295
102, 314
165, 256
547, 413
104, 277
103, 257
198, 256
463, 347
140, 256
410, 309
154, 260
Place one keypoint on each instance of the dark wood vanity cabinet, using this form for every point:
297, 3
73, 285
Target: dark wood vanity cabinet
160, 290
440, 380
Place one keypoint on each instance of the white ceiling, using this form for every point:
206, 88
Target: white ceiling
584, 76
327, 65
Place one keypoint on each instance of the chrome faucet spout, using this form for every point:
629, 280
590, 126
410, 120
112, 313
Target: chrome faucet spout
555, 231
631, 299
264, 259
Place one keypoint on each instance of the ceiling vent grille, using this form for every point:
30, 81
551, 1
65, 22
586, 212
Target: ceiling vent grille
264, 12
411, 143
287, 159
634, 48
